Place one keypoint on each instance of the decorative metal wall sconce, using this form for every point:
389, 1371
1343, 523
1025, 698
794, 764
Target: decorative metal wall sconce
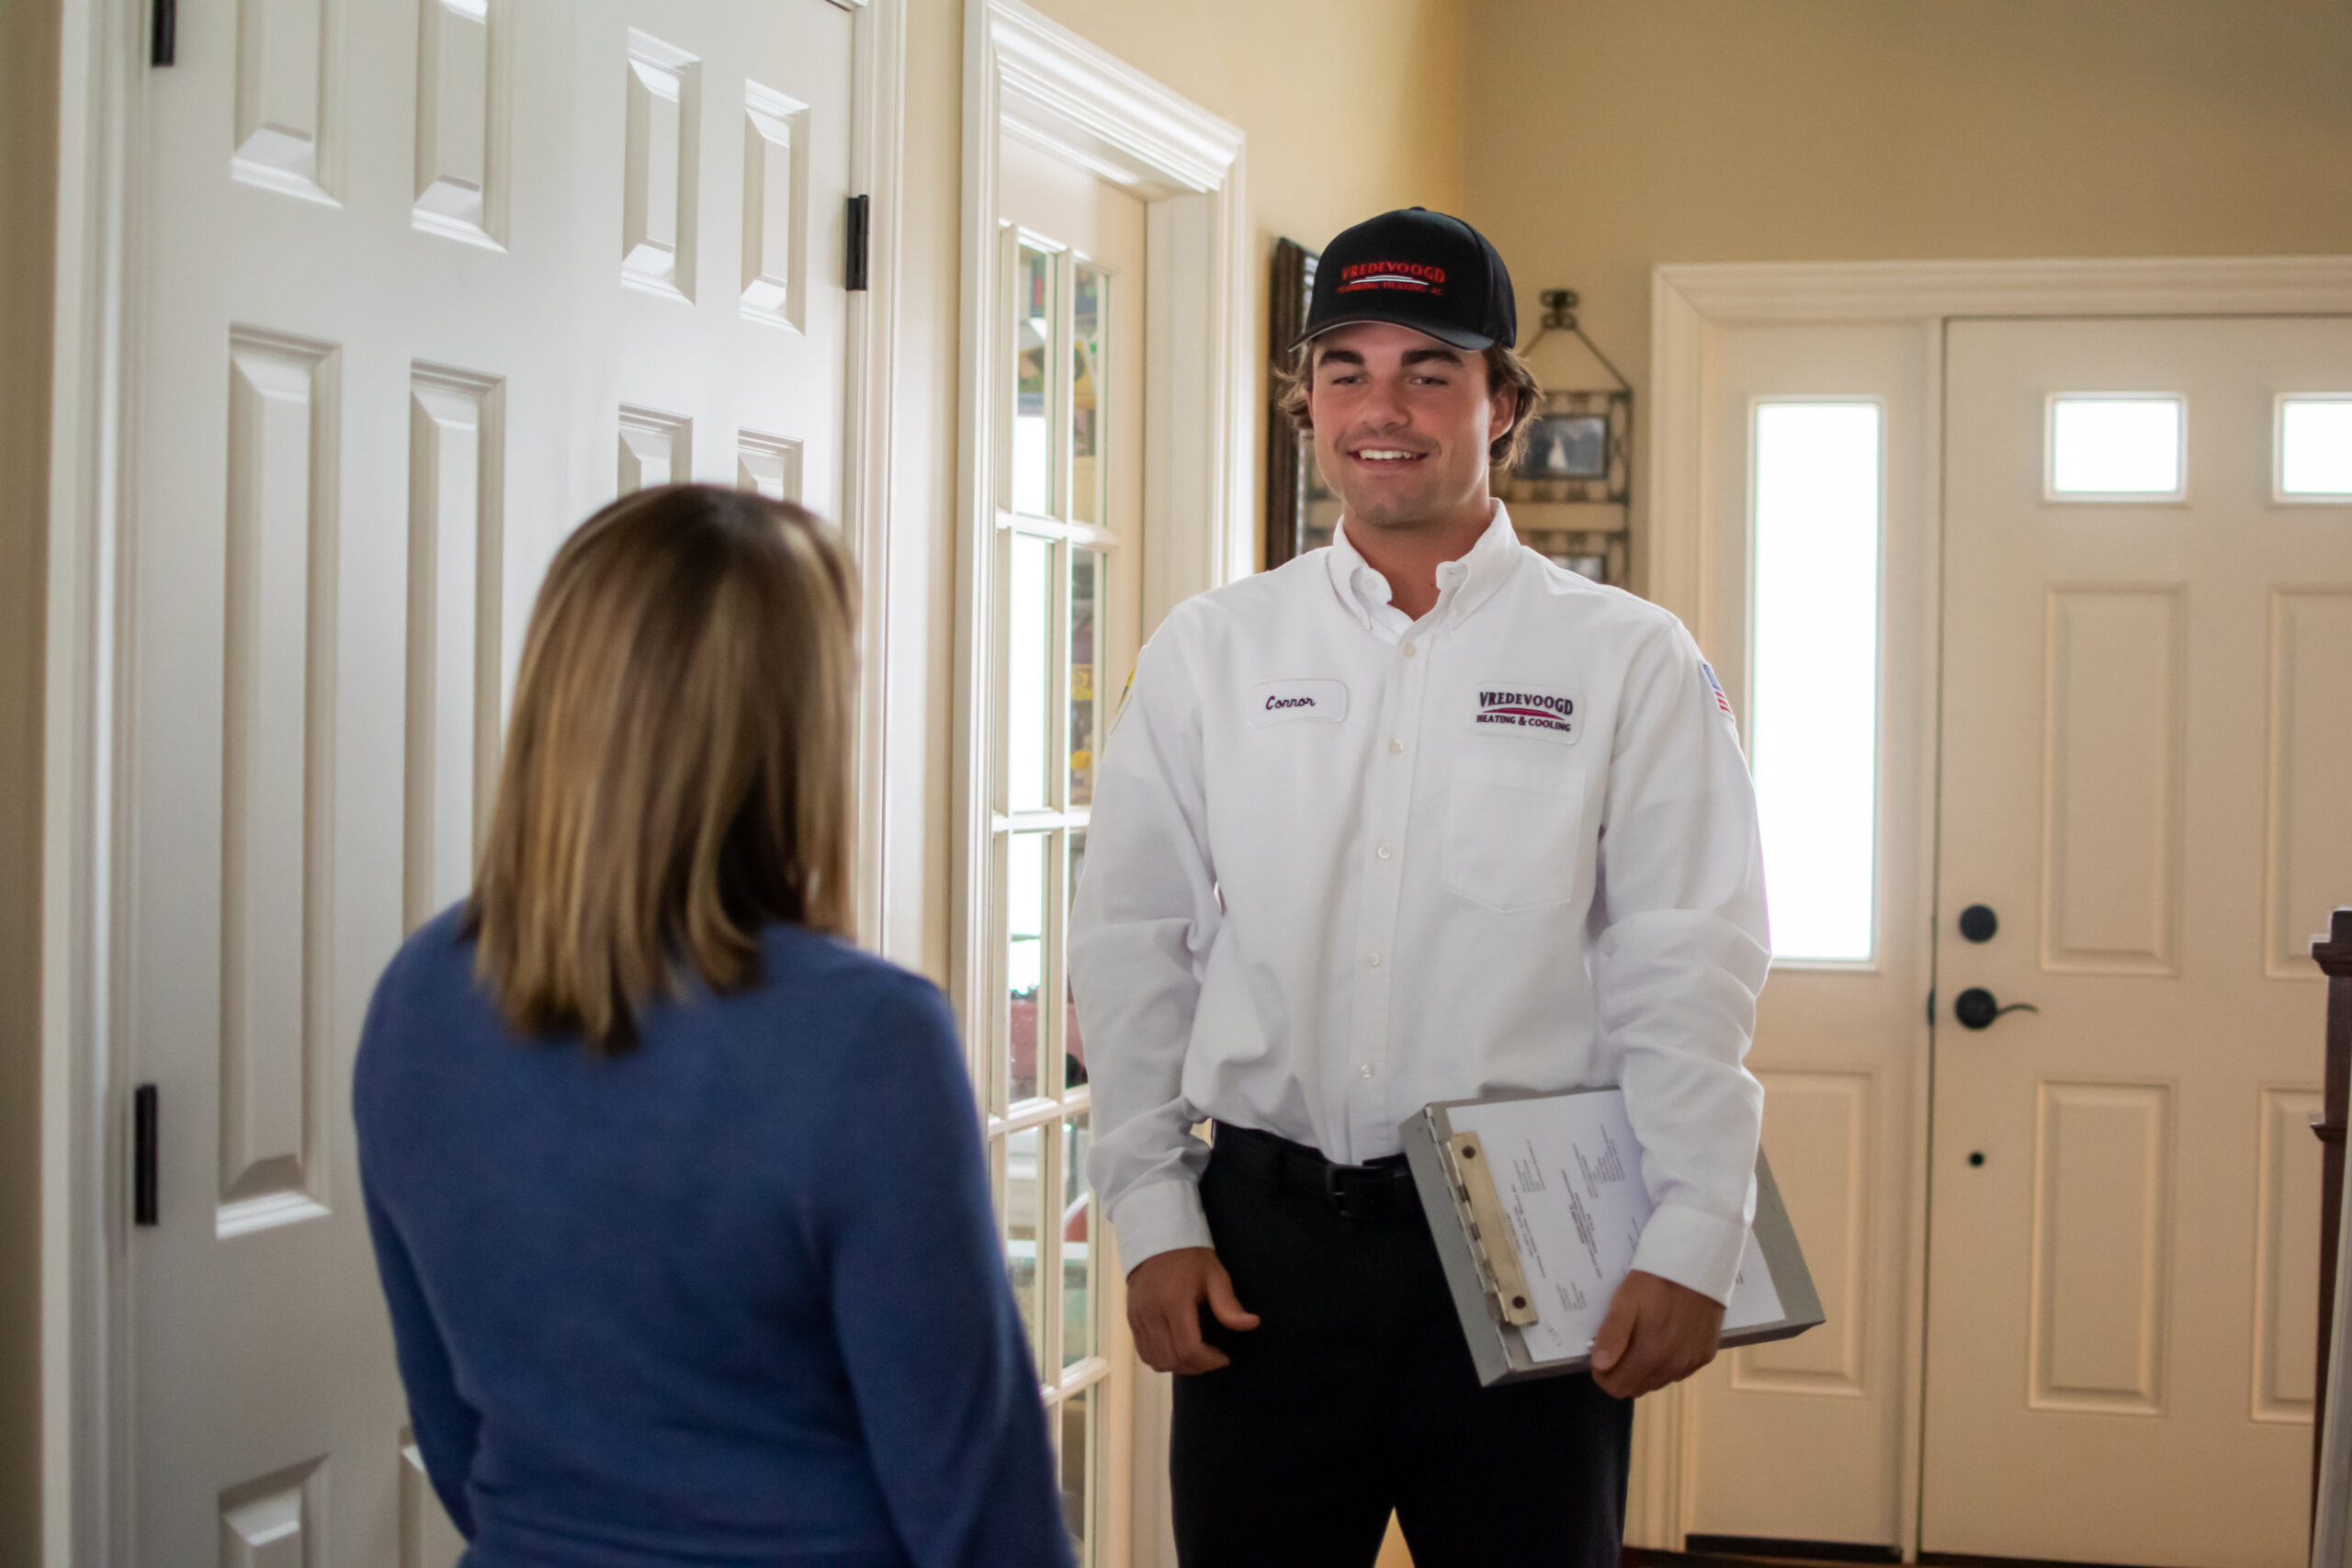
1581, 449
1581, 453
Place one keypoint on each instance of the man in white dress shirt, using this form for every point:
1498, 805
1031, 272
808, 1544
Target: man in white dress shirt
1419, 816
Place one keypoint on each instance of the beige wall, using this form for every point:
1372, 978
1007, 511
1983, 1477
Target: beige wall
28, 226
1351, 106
1608, 136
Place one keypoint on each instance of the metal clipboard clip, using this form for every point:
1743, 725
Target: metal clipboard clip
1490, 1233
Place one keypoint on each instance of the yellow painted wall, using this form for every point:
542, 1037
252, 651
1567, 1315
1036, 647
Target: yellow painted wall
1351, 106
1608, 136
28, 43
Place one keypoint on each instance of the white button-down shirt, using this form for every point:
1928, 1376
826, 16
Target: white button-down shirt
1342, 865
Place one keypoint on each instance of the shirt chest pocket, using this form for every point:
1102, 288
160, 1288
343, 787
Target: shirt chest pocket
1514, 833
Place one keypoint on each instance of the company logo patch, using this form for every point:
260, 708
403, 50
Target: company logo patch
1416, 278
1296, 702
1526, 710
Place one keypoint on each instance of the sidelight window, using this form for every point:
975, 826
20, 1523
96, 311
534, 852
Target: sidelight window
1817, 512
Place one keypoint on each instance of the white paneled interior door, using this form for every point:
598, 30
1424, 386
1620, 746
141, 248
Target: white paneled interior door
2148, 617
416, 285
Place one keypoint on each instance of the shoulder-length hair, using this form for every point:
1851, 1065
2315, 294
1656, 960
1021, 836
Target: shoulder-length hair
677, 770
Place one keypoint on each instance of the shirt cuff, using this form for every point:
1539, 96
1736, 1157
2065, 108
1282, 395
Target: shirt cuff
1692, 1247
1157, 1217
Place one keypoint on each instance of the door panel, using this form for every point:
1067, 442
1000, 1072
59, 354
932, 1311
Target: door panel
2134, 750
396, 330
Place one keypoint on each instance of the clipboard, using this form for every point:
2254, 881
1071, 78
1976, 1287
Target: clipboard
1492, 1292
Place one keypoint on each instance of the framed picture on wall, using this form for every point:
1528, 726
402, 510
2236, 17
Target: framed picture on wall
1300, 512
1580, 451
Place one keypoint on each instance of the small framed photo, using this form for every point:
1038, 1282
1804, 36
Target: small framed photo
1579, 450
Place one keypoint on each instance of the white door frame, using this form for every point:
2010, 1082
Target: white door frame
1030, 79
1689, 305
84, 1278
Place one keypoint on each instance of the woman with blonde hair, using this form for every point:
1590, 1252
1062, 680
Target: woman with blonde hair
678, 1199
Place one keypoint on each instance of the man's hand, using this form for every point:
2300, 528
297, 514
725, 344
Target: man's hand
1164, 1296
1656, 1333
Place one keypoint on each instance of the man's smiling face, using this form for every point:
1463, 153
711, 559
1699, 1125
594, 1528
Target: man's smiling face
1402, 423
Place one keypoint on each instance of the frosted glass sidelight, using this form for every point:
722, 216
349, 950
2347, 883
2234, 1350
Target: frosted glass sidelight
2315, 447
1814, 726
1029, 630
1033, 336
2104, 447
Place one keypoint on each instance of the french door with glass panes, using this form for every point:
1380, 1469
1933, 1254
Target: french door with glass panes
1065, 574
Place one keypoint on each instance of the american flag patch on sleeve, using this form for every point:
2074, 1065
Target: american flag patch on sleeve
1723, 702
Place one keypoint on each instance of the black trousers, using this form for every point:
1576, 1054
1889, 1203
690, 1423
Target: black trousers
1355, 1395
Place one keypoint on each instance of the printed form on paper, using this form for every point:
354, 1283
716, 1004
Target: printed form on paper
1569, 1173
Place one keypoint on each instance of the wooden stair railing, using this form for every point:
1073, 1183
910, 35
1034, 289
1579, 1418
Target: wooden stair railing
2333, 954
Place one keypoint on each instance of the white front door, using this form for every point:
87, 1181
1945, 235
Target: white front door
415, 286
1068, 563
2147, 743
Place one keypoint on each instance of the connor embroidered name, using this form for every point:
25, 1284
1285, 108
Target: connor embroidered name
1274, 702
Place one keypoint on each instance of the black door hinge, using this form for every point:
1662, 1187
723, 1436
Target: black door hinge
165, 41
857, 244
142, 1155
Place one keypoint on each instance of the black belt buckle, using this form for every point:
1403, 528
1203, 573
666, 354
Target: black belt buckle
1360, 1193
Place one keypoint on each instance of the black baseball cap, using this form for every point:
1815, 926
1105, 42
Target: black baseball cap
1415, 268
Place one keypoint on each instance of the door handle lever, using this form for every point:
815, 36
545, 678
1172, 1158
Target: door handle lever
1977, 1007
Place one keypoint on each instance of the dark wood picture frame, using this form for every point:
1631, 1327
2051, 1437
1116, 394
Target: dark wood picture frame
1299, 510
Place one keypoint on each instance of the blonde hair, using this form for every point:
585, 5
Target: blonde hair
677, 767
1295, 377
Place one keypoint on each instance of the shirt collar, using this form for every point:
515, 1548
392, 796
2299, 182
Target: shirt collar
1463, 584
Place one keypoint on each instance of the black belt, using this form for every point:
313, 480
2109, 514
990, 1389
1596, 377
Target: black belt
1379, 1191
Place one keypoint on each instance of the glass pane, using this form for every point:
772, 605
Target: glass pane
2315, 445
1077, 1466
1073, 1043
1813, 733
1032, 333
1029, 623
1024, 1236
1025, 959
1085, 683
2108, 446
1077, 1249
1085, 397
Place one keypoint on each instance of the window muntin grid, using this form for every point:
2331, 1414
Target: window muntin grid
1051, 561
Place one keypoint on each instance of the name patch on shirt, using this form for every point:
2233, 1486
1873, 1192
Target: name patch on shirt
1297, 701
1556, 717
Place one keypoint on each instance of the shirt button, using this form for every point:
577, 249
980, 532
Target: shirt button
1373, 959
1367, 1070
1382, 851
1396, 747
1410, 650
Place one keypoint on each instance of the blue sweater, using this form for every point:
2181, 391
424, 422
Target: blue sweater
735, 1297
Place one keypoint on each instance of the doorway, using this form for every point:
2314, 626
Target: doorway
2089, 1270
1104, 414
